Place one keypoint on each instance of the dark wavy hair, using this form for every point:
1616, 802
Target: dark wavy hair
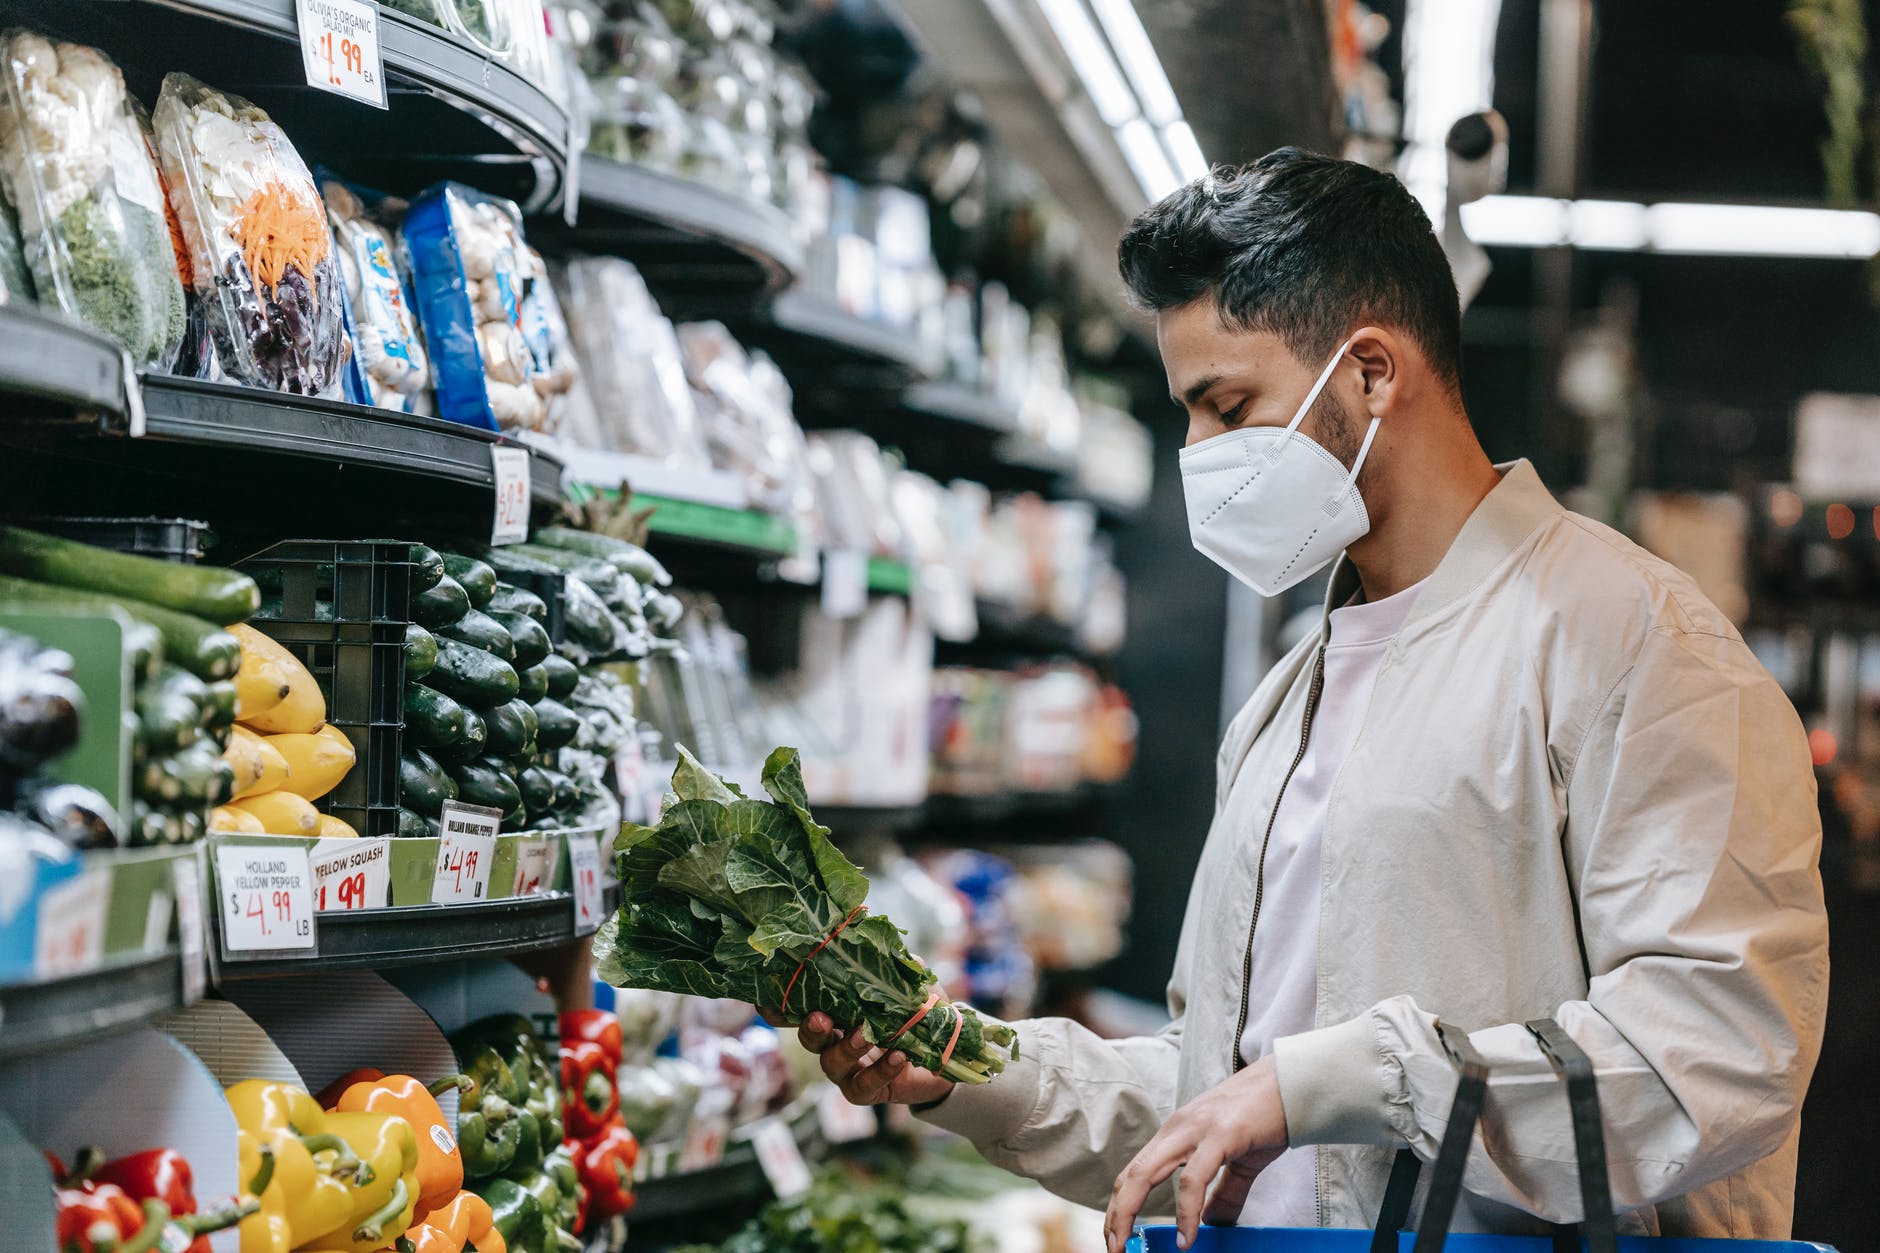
1305, 246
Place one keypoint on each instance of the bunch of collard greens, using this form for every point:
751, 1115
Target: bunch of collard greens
835, 1216
728, 896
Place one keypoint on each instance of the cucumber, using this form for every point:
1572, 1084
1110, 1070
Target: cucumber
202, 648
151, 825
431, 718
470, 744
477, 578
512, 729
629, 559
555, 725
587, 622
538, 789
195, 776
531, 684
512, 599
427, 567
597, 574
170, 711
562, 676
441, 605
479, 782
507, 561
420, 651
216, 595
479, 630
412, 825
471, 676
218, 704
527, 638
517, 819
422, 784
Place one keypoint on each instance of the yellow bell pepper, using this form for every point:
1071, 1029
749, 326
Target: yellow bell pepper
382, 1207
267, 1229
315, 1172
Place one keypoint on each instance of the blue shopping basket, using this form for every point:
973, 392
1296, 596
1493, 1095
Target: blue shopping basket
1432, 1235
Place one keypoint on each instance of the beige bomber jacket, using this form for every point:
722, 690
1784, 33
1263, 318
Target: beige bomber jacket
1575, 794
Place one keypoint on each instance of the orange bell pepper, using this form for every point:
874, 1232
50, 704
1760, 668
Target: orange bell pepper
440, 1165
464, 1221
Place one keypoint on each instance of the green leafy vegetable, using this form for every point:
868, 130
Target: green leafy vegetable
749, 899
837, 1216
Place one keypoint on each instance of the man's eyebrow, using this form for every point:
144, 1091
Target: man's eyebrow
1196, 390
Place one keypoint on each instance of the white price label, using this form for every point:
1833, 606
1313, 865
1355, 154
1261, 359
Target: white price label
466, 849
842, 1120
351, 874
704, 1142
844, 583
265, 896
535, 866
780, 1157
189, 933
339, 46
511, 524
584, 867
69, 936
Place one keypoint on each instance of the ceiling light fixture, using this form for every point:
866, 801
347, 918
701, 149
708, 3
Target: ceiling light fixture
1186, 151
1102, 81
1143, 150
1691, 229
1140, 62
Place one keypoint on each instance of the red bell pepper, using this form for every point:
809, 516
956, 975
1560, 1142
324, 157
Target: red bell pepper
590, 1093
606, 1166
93, 1217
164, 1175
596, 1025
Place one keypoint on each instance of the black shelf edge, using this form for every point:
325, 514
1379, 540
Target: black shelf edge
228, 416
47, 358
956, 402
37, 1017
687, 238
810, 328
415, 935
736, 1181
848, 821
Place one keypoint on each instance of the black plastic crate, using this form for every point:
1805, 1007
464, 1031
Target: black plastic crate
168, 539
341, 606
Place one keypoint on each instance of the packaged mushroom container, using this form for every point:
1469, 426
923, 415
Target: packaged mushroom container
385, 337
260, 254
473, 273
74, 166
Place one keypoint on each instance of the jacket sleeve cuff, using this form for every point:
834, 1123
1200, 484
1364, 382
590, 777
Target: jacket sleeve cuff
1333, 1085
993, 1113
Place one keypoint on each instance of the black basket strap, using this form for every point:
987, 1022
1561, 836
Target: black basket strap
1439, 1205
1589, 1139
1394, 1215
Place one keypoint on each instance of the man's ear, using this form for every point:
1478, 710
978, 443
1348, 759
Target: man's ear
1378, 355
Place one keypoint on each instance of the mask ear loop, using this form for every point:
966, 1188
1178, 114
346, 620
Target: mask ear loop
1336, 501
1305, 406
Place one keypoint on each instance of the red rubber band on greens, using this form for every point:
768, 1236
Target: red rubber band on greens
933, 999
959, 1020
788, 987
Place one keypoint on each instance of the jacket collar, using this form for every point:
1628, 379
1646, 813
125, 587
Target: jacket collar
1500, 524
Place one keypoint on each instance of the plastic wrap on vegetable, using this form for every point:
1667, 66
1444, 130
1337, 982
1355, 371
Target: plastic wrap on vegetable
16, 284
553, 370
471, 271
75, 167
385, 334
630, 358
260, 253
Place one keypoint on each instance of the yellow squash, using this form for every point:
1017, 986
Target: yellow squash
282, 813
332, 828
228, 820
304, 709
260, 684
315, 763
259, 766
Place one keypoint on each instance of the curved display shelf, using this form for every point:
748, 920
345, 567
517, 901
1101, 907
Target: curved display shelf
734, 1188
695, 244
451, 107
35, 1017
958, 404
46, 358
821, 345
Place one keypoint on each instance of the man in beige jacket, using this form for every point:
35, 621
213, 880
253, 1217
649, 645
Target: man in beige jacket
1524, 770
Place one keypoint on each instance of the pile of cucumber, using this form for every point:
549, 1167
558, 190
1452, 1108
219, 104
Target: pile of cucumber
613, 605
183, 661
484, 692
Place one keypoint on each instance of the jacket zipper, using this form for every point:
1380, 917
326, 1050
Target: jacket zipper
1259, 883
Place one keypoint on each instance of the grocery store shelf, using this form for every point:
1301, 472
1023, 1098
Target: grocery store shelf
821, 345
413, 935
35, 1017
849, 821
737, 1183
44, 358
960, 404
1004, 632
695, 245
453, 111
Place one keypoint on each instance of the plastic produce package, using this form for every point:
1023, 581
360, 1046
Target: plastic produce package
472, 274
385, 335
630, 357
555, 371
77, 171
260, 254
16, 284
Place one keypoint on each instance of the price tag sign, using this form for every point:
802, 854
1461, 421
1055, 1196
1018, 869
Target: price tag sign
339, 46
584, 867
535, 866
265, 895
69, 936
466, 849
189, 933
842, 1120
704, 1142
780, 1157
351, 874
511, 464
844, 583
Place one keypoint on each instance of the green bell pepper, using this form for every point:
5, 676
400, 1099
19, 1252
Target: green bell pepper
560, 1167
489, 1121
528, 1155
516, 1215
